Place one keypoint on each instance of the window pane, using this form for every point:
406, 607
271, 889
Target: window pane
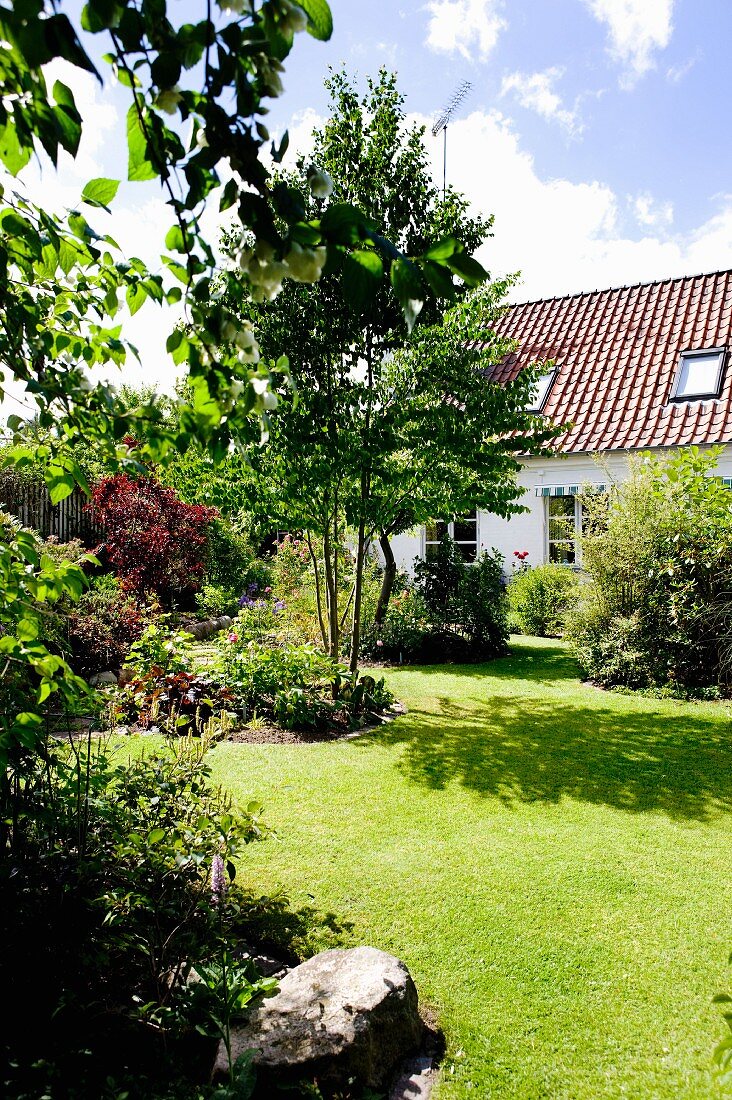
464, 530
561, 529
434, 530
540, 391
699, 375
561, 506
562, 552
431, 550
467, 549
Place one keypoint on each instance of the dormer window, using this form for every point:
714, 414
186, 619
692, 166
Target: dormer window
699, 374
541, 391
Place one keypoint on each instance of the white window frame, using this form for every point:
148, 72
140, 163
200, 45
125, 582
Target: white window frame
577, 530
699, 353
543, 386
451, 532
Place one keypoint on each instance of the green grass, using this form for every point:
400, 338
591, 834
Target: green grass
552, 862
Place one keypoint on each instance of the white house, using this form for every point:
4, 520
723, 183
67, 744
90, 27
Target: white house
637, 368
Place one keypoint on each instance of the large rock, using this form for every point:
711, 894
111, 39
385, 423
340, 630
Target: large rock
344, 1013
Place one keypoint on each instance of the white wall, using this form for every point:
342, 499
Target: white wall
528, 530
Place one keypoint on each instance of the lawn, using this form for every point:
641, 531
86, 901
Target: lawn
552, 862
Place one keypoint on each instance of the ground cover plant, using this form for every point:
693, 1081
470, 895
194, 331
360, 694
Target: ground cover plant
551, 861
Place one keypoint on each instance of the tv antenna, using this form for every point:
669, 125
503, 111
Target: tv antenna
442, 122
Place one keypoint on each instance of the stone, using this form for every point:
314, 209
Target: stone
346, 1013
103, 678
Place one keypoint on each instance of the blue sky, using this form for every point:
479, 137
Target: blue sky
596, 131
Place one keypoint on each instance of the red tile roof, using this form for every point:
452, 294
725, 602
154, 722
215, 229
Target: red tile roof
617, 355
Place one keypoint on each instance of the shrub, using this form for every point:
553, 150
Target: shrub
177, 703
214, 600
403, 633
108, 906
154, 542
103, 624
159, 649
660, 559
231, 564
467, 600
540, 598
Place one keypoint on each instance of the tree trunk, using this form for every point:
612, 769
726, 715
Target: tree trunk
387, 581
358, 594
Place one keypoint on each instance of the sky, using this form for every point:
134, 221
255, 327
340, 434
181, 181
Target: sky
597, 132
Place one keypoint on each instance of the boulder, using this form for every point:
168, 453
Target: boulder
103, 679
342, 1014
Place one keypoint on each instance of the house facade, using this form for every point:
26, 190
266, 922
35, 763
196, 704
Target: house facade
635, 368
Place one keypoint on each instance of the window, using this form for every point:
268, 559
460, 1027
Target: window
462, 530
699, 374
565, 519
541, 392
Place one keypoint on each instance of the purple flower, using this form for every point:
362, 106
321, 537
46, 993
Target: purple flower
218, 880
252, 589
280, 605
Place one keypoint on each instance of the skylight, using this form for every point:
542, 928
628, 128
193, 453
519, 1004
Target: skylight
700, 374
541, 392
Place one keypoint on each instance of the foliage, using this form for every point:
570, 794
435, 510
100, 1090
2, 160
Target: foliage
231, 559
155, 542
178, 703
468, 600
214, 600
659, 558
31, 585
298, 685
158, 648
102, 626
540, 598
109, 909
403, 634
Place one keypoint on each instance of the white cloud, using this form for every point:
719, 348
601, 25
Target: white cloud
535, 91
566, 236
467, 27
676, 73
652, 212
637, 29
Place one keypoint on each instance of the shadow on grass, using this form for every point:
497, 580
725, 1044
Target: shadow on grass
543, 663
527, 749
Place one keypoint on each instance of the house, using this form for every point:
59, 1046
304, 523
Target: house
636, 368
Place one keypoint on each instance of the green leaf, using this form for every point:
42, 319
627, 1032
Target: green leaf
439, 279
26, 630
60, 485
408, 289
230, 195
443, 249
468, 268
320, 20
136, 296
174, 239
12, 154
100, 192
345, 224
155, 836
362, 274
139, 167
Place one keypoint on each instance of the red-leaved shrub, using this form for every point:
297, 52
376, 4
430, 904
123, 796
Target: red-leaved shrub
154, 542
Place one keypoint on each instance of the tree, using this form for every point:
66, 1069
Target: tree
348, 451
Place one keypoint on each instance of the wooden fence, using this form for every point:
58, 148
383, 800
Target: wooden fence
30, 503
